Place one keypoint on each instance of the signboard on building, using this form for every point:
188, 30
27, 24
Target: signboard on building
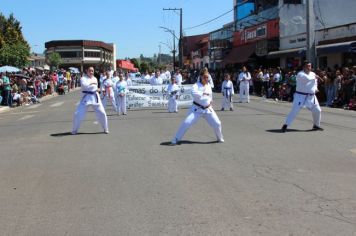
266, 30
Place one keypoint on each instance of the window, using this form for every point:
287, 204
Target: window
323, 62
292, 1
68, 54
91, 54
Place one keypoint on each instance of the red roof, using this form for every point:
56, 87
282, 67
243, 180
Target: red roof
126, 65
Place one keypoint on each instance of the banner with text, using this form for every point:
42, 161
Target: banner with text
141, 96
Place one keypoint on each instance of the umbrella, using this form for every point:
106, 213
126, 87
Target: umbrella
22, 76
9, 69
74, 70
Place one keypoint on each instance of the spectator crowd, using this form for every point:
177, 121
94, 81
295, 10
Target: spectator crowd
337, 86
29, 85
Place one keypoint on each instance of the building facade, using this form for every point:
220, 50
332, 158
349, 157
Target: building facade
335, 32
83, 53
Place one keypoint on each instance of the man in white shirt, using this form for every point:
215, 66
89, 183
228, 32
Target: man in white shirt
244, 79
156, 79
307, 86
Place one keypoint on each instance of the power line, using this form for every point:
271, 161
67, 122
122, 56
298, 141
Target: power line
209, 20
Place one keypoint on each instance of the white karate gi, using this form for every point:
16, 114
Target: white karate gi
109, 92
244, 78
168, 75
121, 90
156, 81
90, 97
227, 88
305, 97
173, 93
202, 98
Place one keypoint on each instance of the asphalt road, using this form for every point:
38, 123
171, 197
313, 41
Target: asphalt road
131, 182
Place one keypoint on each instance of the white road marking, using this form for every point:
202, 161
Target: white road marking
95, 122
33, 106
353, 151
57, 104
26, 117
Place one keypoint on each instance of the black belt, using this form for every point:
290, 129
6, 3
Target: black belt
202, 107
91, 92
311, 94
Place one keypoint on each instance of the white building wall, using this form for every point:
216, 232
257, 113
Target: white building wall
334, 59
328, 14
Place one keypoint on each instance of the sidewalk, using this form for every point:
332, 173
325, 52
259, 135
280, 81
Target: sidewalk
45, 98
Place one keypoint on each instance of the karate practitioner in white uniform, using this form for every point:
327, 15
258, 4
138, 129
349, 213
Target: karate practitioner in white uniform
227, 90
173, 94
108, 91
115, 79
121, 90
202, 98
90, 97
244, 78
307, 86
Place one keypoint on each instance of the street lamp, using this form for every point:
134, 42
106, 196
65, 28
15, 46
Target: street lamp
174, 44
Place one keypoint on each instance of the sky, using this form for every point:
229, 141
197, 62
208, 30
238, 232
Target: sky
133, 25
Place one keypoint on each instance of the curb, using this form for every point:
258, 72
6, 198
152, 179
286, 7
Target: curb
45, 98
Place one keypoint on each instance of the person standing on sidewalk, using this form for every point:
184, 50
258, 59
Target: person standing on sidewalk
307, 86
7, 98
202, 99
90, 97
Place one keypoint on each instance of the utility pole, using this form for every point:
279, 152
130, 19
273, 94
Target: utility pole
311, 51
159, 54
174, 44
174, 52
180, 45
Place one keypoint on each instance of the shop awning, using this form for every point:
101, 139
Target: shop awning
320, 49
336, 47
296, 52
240, 54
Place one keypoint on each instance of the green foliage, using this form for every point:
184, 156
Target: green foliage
54, 59
14, 54
144, 67
14, 50
135, 62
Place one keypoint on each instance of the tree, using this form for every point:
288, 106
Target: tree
54, 59
14, 54
135, 62
144, 67
14, 49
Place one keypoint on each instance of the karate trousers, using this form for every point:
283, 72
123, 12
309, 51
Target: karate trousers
172, 105
79, 116
227, 103
194, 115
308, 101
121, 104
111, 97
244, 92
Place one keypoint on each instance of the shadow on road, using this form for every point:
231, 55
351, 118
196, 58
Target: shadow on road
69, 134
288, 130
187, 142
